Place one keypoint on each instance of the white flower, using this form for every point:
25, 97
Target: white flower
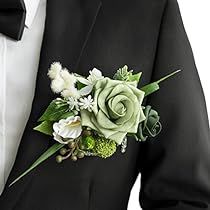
67, 129
86, 103
88, 86
73, 103
94, 76
54, 70
91, 80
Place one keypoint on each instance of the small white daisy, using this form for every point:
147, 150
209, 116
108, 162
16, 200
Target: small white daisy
73, 103
86, 103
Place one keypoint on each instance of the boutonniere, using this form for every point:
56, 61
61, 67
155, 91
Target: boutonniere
92, 116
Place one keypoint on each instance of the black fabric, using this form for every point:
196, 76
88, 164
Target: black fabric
147, 35
12, 18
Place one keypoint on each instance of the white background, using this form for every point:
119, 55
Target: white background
196, 17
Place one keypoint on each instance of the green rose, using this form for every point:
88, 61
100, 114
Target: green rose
117, 109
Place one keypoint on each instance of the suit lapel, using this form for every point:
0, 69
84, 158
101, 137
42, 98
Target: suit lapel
68, 26
94, 7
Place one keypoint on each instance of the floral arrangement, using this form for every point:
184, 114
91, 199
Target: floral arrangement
94, 115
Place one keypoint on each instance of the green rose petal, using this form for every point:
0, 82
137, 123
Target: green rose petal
104, 121
117, 110
95, 106
101, 102
116, 106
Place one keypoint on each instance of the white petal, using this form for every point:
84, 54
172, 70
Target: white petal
59, 138
74, 133
56, 127
63, 129
83, 81
90, 98
96, 72
86, 90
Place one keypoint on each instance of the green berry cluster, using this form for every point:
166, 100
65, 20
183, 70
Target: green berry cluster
87, 143
71, 151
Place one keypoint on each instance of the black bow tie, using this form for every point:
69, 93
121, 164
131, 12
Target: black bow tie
12, 18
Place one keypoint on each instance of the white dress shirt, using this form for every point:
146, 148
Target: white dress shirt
18, 68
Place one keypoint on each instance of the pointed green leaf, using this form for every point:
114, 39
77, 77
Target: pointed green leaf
154, 86
54, 111
80, 85
45, 127
135, 77
66, 115
150, 88
51, 151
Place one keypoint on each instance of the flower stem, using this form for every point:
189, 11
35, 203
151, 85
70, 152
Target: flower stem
167, 76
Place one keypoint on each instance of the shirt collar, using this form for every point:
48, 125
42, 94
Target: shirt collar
31, 9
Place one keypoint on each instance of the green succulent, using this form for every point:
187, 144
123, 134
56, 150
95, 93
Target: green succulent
151, 127
105, 148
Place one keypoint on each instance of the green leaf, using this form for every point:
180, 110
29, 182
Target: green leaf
135, 77
45, 127
154, 86
51, 151
150, 88
80, 85
66, 115
54, 111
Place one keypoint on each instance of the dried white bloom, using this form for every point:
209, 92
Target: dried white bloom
54, 70
57, 85
86, 103
62, 81
68, 78
70, 92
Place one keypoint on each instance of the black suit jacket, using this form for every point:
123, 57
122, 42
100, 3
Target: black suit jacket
147, 35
